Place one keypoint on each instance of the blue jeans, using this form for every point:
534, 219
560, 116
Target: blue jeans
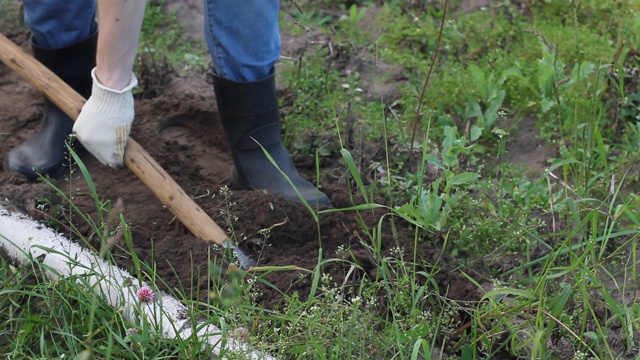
243, 37
57, 24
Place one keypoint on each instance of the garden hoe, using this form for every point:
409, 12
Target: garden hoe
135, 157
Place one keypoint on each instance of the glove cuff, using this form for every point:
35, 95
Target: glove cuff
110, 101
133, 82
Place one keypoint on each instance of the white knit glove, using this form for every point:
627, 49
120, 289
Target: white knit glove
104, 123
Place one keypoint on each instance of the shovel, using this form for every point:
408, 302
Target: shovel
135, 157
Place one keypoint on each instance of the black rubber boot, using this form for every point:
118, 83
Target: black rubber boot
45, 153
249, 110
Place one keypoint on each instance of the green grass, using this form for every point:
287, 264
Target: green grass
163, 50
569, 239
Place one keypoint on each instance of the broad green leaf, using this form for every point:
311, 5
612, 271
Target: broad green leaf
463, 178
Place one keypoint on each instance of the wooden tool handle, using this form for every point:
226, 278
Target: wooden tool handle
135, 157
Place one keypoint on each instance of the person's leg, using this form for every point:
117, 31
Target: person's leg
64, 39
243, 37
58, 24
244, 41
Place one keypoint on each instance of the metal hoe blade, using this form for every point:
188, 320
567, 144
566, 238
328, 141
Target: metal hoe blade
245, 261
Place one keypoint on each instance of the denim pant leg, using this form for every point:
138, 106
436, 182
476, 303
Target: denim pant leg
243, 37
56, 24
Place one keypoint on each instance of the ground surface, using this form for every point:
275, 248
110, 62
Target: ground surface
180, 129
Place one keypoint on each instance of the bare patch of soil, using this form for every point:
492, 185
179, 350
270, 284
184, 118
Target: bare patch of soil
525, 147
